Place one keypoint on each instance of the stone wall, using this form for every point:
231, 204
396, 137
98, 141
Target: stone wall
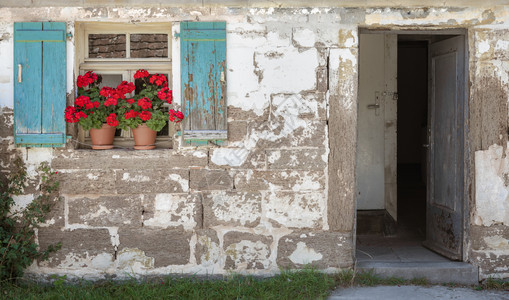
280, 193
167, 211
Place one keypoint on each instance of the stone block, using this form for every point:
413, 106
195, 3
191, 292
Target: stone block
322, 79
81, 248
493, 238
237, 131
342, 148
317, 249
166, 247
488, 107
298, 159
207, 249
56, 217
128, 160
307, 105
490, 263
6, 123
205, 180
238, 157
244, 114
152, 181
105, 210
231, 208
288, 132
246, 251
87, 182
172, 211
258, 180
295, 209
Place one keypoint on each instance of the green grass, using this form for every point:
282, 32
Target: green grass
368, 278
494, 284
304, 284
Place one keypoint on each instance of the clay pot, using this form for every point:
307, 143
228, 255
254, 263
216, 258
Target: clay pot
102, 138
144, 137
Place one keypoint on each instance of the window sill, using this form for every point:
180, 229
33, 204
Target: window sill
162, 143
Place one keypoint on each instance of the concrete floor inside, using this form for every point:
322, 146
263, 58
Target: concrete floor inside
401, 248
406, 244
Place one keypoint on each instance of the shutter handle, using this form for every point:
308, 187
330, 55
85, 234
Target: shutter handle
20, 69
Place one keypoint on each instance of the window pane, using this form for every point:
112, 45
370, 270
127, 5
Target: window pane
106, 45
149, 45
111, 80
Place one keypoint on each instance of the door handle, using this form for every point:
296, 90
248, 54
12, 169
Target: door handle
376, 105
20, 69
425, 145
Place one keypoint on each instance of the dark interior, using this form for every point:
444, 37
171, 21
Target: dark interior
412, 122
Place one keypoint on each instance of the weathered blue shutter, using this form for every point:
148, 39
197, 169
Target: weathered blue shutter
203, 71
39, 84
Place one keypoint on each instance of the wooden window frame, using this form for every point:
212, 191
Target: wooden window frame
125, 66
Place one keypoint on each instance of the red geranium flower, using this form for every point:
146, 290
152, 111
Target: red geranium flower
112, 120
81, 101
125, 88
144, 103
145, 115
175, 116
107, 91
69, 114
165, 94
131, 114
159, 79
110, 101
140, 74
86, 79
80, 115
130, 101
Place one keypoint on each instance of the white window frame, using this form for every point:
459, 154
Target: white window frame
127, 66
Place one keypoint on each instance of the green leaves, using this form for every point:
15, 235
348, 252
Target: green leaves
17, 247
157, 121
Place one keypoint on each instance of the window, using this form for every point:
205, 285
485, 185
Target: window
116, 51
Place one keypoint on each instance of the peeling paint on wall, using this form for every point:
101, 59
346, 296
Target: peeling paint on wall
279, 193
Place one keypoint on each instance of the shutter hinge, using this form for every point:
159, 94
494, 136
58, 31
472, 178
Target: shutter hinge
177, 35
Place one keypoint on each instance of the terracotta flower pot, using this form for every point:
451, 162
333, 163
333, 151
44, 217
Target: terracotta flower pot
144, 137
102, 138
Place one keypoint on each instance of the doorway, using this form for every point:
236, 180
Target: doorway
411, 142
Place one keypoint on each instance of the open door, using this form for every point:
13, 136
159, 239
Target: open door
444, 210
376, 150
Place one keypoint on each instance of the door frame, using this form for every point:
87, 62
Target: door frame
468, 190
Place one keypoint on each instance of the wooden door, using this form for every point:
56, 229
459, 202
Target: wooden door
376, 148
444, 210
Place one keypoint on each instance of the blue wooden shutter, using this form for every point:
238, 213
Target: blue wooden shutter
203, 71
39, 84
